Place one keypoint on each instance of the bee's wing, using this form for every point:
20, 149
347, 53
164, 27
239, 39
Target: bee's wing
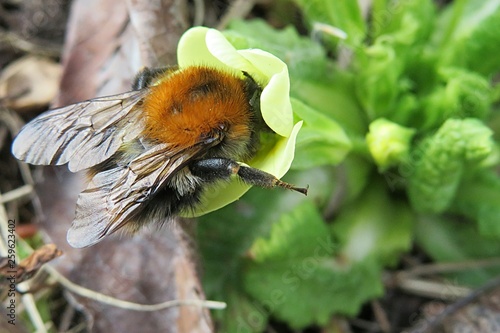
83, 134
116, 195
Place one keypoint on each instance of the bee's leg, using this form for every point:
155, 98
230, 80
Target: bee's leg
147, 76
214, 169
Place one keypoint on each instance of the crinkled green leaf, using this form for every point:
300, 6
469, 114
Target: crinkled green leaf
409, 21
438, 165
380, 79
396, 68
303, 57
461, 94
295, 277
345, 15
321, 141
447, 240
374, 227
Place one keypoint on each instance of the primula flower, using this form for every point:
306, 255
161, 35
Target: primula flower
202, 46
388, 142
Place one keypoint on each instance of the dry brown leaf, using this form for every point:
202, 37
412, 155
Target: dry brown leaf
94, 33
30, 265
156, 31
29, 83
103, 52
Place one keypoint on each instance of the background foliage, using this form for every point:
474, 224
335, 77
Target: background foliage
399, 148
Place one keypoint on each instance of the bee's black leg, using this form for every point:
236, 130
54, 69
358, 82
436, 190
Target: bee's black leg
147, 76
214, 169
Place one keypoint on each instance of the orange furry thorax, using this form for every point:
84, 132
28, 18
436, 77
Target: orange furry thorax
190, 104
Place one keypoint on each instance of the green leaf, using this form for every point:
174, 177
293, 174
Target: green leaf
295, 277
374, 227
224, 237
357, 175
446, 240
321, 141
439, 162
333, 96
479, 198
469, 36
242, 314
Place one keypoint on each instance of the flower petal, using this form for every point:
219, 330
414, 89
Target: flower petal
192, 50
278, 161
202, 46
226, 53
275, 99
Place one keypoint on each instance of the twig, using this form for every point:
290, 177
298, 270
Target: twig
407, 280
450, 267
17, 193
238, 9
381, 316
88, 293
431, 289
37, 47
432, 324
199, 12
66, 318
35, 317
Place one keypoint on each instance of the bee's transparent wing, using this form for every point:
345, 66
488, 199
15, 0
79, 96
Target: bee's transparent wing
115, 196
83, 134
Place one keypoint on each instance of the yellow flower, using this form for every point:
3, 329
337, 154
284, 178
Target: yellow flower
388, 142
202, 46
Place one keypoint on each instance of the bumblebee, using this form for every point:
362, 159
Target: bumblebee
151, 152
